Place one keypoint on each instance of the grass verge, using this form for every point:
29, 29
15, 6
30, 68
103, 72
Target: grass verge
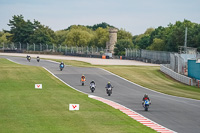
148, 76
26, 109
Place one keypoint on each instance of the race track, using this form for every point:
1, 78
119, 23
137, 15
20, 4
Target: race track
178, 114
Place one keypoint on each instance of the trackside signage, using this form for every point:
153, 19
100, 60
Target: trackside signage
73, 106
38, 86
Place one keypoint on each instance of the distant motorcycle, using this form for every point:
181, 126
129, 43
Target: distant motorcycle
92, 87
28, 58
83, 81
61, 67
109, 90
38, 59
146, 105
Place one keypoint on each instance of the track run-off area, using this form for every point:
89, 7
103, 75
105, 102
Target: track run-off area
174, 113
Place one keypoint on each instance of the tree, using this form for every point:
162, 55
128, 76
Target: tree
3, 38
101, 36
44, 35
78, 37
61, 36
20, 29
101, 25
149, 31
121, 45
123, 34
157, 45
142, 41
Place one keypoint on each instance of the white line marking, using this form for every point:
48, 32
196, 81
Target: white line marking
64, 81
13, 61
145, 87
108, 101
148, 121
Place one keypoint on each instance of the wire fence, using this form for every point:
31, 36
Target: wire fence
67, 50
148, 55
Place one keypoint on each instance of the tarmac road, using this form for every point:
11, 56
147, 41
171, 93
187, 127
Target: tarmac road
178, 114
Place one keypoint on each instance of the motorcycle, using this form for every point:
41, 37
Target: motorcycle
29, 58
61, 67
92, 87
82, 81
146, 105
38, 59
109, 90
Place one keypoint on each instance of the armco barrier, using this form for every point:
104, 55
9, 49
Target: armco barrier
179, 77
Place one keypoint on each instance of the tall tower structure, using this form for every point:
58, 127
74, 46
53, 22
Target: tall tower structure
110, 45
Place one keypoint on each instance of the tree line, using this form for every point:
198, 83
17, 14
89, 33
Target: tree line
160, 39
169, 38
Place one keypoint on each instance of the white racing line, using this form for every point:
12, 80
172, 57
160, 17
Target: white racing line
13, 61
147, 88
134, 115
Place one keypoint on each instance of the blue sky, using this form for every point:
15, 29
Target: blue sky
134, 16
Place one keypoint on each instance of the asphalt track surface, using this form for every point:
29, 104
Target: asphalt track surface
178, 114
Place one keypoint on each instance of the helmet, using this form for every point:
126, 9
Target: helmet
82, 75
62, 62
108, 82
145, 95
92, 80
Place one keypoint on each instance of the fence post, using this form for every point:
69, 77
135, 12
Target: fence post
47, 47
40, 47
65, 49
13, 46
87, 49
27, 46
34, 46
20, 46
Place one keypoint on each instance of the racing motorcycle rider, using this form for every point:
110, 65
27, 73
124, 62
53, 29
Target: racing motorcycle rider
92, 82
62, 64
146, 97
28, 57
108, 86
38, 58
82, 77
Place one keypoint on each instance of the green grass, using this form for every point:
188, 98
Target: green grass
147, 76
24, 109
152, 78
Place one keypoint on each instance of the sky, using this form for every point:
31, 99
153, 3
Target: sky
134, 16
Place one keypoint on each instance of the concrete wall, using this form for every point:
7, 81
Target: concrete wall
177, 76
